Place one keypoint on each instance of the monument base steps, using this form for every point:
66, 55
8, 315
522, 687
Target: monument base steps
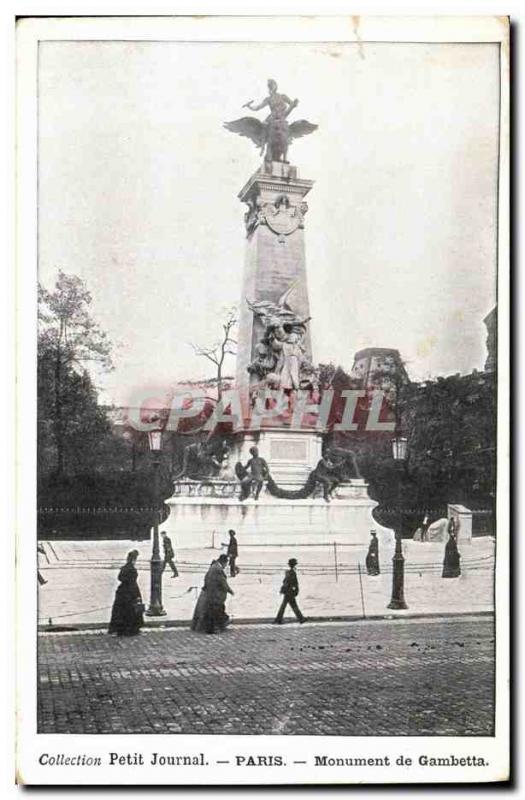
199, 515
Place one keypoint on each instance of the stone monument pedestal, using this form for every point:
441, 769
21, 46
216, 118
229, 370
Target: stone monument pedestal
203, 510
291, 454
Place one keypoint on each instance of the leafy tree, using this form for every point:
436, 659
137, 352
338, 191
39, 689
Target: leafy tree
451, 428
101, 505
451, 431
70, 423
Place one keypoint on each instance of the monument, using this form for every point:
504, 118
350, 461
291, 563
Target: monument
277, 484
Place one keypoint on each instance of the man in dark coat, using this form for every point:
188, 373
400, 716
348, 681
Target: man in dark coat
169, 555
232, 553
289, 590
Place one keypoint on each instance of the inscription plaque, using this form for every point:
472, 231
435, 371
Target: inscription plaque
288, 450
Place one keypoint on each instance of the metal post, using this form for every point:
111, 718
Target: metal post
398, 564
155, 601
361, 589
335, 562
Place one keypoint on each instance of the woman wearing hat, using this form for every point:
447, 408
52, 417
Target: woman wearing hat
290, 590
127, 611
372, 557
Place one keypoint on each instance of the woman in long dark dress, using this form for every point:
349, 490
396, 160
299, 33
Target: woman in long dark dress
200, 614
372, 558
210, 614
127, 613
198, 622
451, 562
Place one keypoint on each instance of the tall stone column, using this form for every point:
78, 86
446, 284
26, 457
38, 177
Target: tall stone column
275, 256
274, 273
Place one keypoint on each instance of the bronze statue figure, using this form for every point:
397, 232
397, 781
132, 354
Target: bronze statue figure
335, 467
345, 463
325, 476
202, 460
275, 133
252, 476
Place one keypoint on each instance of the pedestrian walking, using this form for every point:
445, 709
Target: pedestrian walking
210, 611
290, 590
217, 590
169, 554
232, 553
128, 609
451, 562
372, 557
198, 622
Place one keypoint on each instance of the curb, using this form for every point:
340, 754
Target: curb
172, 623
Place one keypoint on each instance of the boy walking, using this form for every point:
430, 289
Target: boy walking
290, 590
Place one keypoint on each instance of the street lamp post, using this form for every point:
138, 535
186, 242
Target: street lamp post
156, 564
399, 451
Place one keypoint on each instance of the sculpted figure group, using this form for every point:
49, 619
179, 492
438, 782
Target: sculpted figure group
280, 356
274, 135
203, 459
331, 470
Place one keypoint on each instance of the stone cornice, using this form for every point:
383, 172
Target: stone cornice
260, 181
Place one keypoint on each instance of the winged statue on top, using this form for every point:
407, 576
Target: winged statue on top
275, 134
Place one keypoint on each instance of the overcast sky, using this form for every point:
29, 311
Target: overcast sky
138, 187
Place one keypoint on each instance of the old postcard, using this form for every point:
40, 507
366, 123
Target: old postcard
263, 319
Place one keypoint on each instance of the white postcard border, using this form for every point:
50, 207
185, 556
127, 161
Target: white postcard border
30, 744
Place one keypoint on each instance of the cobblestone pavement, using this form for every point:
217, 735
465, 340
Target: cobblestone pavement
357, 679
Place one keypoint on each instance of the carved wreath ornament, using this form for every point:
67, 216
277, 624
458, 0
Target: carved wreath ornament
280, 216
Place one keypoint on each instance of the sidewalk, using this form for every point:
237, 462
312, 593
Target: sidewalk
82, 579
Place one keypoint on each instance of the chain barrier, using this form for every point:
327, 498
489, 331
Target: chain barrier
106, 608
479, 562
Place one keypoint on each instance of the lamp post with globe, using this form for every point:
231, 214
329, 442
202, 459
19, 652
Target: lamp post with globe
399, 452
156, 564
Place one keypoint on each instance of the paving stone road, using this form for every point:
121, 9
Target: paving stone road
372, 678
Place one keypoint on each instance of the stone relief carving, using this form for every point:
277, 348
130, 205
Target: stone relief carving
254, 215
281, 216
280, 359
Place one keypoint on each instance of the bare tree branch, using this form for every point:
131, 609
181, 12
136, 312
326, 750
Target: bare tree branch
217, 352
